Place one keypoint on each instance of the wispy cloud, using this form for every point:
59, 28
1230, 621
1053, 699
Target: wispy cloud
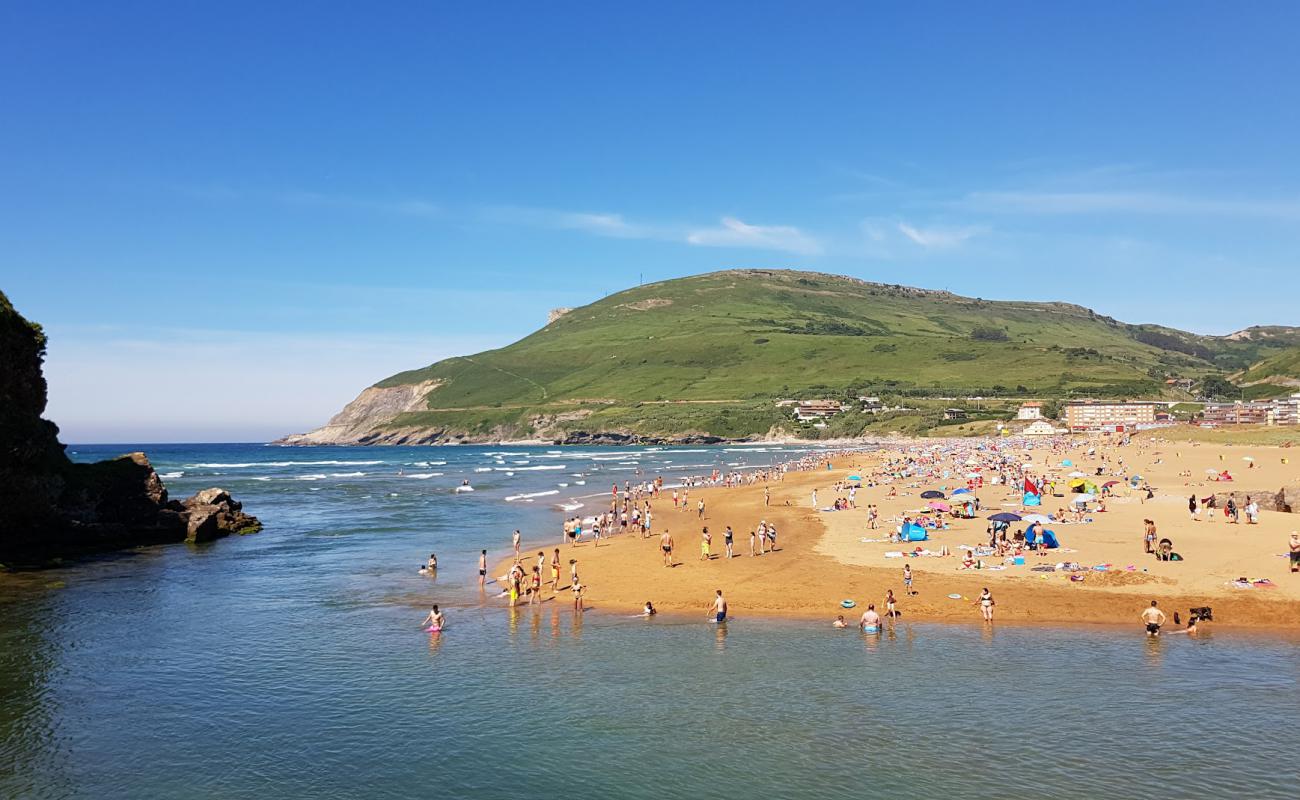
1125, 202
406, 207
598, 224
939, 238
732, 232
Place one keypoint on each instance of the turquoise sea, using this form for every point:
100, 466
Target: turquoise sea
291, 664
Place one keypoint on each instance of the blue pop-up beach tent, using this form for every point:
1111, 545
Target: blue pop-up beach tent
1049, 540
1032, 499
914, 533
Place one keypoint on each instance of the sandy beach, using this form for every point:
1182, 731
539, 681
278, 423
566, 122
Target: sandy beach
823, 558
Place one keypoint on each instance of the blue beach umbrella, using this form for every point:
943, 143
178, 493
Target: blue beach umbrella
1005, 516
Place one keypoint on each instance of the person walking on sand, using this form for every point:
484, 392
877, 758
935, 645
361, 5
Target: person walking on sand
666, 544
706, 542
555, 570
762, 538
814, 498
701, 509
1153, 618
482, 567
986, 604
873, 516
767, 496
891, 605
515, 542
1252, 510
719, 608
907, 579
727, 540
1149, 536
1193, 508
753, 537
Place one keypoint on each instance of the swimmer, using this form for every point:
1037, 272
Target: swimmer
1190, 630
719, 608
1153, 618
839, 622
436, 620
432, 564
649, 610
870, 621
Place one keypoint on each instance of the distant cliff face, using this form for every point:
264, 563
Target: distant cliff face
50, 506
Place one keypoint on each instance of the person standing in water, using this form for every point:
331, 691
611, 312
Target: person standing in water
1153, 618
482, 567
986, 604
436, 620
719, 608
870, 621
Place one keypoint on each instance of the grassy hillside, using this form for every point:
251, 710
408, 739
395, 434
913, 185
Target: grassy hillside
709, 353
1277, 374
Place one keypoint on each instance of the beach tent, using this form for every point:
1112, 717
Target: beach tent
1031, 499
1049, 540
912, 532
1067, 463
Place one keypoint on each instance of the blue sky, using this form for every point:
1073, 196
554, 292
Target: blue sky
231, 217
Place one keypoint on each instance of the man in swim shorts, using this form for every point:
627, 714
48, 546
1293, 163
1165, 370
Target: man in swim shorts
482, 567
1153, 617
666, 544
870, 619
719, 608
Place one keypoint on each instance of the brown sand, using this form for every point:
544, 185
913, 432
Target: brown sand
822, 560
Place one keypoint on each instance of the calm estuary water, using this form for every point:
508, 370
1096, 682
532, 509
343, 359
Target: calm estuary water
290, 664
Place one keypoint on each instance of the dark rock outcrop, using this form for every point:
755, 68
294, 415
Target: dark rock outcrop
51, 507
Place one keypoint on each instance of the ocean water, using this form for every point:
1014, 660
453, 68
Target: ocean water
291, 664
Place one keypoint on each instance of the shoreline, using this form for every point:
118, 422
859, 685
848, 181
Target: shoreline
821, 561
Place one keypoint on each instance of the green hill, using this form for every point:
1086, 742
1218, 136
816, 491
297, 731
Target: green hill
710, 354
1274, 375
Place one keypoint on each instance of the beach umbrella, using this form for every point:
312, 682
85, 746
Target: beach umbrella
972, 474
1067, 463
1078, 474
855, 477
1005, 516
1109, 484
1077, 482
1211, 471
961, 491
937, 506
1084, 498
1043, 518
932, 494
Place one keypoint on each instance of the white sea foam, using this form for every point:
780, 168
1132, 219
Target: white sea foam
531, 495
571, 506
482, 469
317, 477
177, 474
347, 474
422, 476
244, 465
525, 469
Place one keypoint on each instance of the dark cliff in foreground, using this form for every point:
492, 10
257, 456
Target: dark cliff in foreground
51, 507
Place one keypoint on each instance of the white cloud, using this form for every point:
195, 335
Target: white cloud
733, 232
938, 238
1134, 202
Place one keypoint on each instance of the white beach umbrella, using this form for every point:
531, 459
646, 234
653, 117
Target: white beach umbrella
1078, 474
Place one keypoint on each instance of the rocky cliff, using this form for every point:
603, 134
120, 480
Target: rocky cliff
51, 507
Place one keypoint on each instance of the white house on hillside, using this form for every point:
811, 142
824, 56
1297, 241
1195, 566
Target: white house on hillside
1031, 410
